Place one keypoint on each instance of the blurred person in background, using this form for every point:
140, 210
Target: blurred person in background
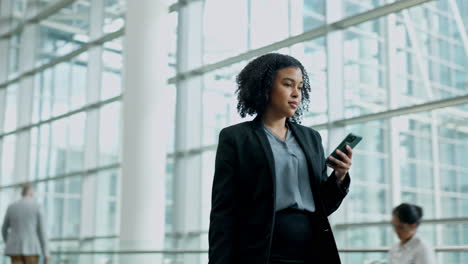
23, 230
411, 249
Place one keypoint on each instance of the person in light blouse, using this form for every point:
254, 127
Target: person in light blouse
411, 249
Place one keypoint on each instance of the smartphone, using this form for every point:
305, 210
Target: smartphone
351, 140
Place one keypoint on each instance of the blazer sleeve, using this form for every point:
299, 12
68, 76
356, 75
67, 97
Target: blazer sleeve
5, 226
41, 233
222, 226
332, 192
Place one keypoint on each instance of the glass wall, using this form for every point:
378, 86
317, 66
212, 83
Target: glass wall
61, 125
400, 60
68, 141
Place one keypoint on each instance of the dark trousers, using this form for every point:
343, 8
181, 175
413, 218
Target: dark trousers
294, 238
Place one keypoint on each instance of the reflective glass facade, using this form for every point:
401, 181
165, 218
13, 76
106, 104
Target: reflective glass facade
395, 72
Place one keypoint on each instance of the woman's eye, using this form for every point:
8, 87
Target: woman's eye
300, 88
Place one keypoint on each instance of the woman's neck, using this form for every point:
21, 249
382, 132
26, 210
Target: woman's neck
274, 122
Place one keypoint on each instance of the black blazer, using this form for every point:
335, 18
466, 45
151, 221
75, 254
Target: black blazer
243, 197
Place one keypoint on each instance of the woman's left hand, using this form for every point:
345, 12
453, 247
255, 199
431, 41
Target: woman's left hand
342, 166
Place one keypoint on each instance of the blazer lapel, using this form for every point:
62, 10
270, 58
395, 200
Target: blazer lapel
308, 152
260, 133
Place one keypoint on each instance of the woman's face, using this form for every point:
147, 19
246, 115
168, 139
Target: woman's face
404, 231
286, 95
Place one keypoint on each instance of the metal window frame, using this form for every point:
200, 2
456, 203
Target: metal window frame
85, 108
83, 173
308, 35
204, 251
453, 220
425, 107
55, 7
42, 15
80, 50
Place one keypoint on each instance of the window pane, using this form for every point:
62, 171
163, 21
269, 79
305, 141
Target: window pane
219, 102
76, 137
36, 108
61, 87
73, 207
79, 71
43, 152
112, 75
58, 153
14, 53
46, 93
114, 15
364, 68
431, 62
63, 32
107, 202
221, 16
109, 134
8, 159
313, 13
353, 7
11, 108
312, 55
33, 153
263, 20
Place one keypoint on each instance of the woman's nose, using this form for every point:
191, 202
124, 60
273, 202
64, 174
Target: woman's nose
295, 92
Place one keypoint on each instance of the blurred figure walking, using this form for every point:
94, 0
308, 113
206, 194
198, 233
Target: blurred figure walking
411, 248
23, 230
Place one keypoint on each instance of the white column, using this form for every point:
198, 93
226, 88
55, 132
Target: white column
4, 14
438, 213
4, 58
145, 122
24, 101
393, 140
335, 76
188, 179
89, 190
335, 88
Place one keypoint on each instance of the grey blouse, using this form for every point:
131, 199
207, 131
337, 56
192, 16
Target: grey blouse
292, 175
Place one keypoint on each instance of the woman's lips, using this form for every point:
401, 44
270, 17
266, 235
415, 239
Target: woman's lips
293, 104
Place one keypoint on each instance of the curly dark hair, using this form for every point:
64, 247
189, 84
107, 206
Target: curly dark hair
255, 83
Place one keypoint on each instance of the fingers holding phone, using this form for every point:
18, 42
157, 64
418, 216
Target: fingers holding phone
342, 165
341, 158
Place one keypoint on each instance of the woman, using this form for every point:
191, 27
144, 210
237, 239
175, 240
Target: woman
410, 249
271, 193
